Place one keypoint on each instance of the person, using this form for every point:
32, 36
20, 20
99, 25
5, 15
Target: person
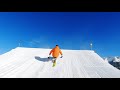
55, 53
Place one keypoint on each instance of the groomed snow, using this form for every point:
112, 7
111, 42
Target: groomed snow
33, 63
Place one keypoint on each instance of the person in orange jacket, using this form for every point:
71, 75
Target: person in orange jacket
55, 53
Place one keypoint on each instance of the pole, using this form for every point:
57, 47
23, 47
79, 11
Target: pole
91, 46
19, 44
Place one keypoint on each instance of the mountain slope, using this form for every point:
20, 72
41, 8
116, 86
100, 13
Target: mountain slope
33, 63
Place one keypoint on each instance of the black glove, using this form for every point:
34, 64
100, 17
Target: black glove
61, 56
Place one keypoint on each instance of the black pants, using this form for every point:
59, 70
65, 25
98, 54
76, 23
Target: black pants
54, 59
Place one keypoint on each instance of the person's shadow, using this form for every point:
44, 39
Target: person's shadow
43, 59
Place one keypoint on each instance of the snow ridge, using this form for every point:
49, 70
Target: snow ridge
24, 62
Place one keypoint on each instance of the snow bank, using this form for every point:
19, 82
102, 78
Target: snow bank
33, 63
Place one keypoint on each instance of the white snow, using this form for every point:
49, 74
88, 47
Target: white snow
112, 58
33, 63
116, 60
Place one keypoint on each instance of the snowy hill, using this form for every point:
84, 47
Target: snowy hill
33, 63
112, 58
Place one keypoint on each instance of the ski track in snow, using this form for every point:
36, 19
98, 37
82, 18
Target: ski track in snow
21, 63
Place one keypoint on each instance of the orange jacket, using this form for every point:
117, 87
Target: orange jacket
55, 52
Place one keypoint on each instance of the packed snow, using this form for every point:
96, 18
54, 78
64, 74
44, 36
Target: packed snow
33, 63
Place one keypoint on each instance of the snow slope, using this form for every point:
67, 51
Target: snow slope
33, 63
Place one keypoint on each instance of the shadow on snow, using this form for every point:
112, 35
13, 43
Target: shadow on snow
43, 59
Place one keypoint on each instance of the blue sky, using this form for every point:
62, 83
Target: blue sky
70, 30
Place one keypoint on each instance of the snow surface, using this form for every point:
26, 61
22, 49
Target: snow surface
33, 63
